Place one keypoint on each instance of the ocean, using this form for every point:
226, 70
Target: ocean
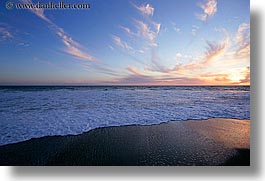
35, 111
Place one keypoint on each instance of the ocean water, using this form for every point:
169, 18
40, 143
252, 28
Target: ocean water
32, 112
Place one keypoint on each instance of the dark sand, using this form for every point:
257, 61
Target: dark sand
208, 142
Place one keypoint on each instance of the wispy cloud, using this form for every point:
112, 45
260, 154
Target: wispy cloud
37, 11
127, 30
180, 55
5, 33
146, 29
242, 40
182, 81
213, 52
72, 47
218, 77
202, 17
111, 47
146, 9
148, 32
117, 40
102, 68
11, 34
156, 63
144, 33
138, 78
209, 8
242, 33
175, 27
135, 78
133, 70
246, 76
194, 30
49, 63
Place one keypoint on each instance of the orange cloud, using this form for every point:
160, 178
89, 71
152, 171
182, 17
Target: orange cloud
246, 74
138, 78
213, 52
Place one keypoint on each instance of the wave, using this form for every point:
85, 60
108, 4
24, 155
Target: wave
37, 112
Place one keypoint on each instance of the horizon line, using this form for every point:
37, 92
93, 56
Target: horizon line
106, 85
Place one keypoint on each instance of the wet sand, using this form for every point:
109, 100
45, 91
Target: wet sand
205, 143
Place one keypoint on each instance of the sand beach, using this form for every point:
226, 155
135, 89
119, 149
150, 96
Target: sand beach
210, 142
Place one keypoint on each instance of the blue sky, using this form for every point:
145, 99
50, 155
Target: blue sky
156, 42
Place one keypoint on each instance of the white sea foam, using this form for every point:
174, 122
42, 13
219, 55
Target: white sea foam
35, 112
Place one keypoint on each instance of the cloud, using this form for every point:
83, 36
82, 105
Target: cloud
156, 65
5, 33
37, 11
102, 68
202, 17
217, 78
146, 9
111, 47
243, 52
10, 34
117, 40
127, 30
199, 71
180, 55
242, 33
175, 27
209, 8
72, 47
133, 70
214, 51
246, 74
147, 32
140, 51
138, 78
242, 41
182, 81
194, 30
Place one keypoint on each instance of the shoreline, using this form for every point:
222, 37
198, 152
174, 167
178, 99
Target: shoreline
209, 142
208, 119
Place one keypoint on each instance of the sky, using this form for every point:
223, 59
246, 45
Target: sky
127, 42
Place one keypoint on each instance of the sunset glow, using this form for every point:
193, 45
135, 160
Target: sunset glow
202, 42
